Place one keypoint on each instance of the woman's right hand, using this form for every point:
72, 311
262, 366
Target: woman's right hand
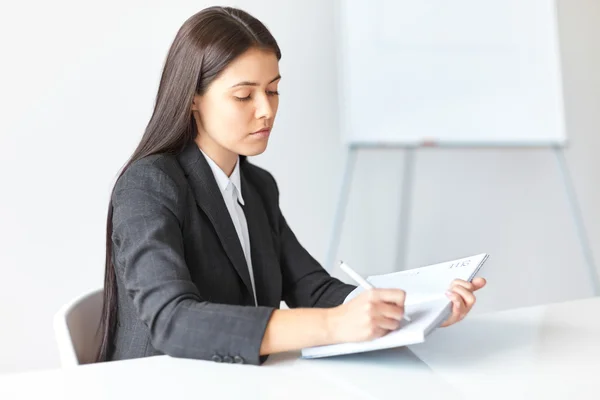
370, 315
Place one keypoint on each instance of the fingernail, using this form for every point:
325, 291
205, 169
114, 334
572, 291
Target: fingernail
449, 293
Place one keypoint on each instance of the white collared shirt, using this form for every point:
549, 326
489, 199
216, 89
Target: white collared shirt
231, 189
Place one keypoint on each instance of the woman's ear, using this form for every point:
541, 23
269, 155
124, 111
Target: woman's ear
196, 103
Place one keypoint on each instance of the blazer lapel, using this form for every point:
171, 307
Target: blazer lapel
265, 265
209, 198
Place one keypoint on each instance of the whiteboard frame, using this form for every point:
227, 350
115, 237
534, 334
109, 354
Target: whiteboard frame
458, 143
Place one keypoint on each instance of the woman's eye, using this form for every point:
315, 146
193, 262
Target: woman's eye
249, 97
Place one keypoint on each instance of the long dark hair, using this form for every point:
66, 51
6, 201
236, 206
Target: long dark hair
204, 45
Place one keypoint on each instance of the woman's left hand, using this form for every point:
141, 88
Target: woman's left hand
462, 297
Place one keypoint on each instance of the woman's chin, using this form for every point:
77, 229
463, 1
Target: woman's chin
253, 150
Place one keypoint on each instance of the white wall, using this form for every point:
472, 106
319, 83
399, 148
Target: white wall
76, 100
75, 103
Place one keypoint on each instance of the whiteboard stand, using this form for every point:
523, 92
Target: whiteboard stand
578, 219
405, 207
406, 198
405, 202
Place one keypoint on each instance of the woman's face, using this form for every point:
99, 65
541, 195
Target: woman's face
236, 113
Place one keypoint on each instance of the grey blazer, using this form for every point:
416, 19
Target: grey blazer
183, 283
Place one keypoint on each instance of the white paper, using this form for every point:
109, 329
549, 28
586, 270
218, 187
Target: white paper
426, 304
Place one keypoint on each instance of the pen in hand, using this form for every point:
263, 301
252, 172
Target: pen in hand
362, 281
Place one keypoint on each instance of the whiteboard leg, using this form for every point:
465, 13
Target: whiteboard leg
404, 217
341, 208
578, 219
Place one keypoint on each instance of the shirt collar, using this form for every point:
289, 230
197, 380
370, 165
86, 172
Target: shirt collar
223, 180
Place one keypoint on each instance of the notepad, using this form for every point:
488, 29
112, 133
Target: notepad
426, 304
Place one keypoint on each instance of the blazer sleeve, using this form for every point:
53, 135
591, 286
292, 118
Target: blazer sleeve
305, 282
148, 247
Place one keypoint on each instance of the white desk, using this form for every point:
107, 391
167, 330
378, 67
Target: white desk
285, 376
512, 354
547, 352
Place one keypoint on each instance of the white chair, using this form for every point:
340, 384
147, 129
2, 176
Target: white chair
76, 329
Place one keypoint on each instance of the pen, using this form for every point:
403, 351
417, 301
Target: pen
361, 281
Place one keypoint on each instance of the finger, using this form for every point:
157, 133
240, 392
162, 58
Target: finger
450, 321
379, 332
476, 284
390, 310
387, 323
459, 308
455, 316
479, 282
462, 283
396, 296
467, 296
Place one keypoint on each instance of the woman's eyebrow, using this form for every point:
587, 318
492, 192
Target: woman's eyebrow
247, 83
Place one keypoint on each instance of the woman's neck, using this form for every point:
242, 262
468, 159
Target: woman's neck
224, 158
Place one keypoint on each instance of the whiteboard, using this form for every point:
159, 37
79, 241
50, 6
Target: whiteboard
460, 72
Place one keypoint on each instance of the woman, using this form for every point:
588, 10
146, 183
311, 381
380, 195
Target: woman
198, 254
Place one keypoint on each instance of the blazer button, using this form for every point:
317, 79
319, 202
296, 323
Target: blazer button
238, 360
217, 358
228, 359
